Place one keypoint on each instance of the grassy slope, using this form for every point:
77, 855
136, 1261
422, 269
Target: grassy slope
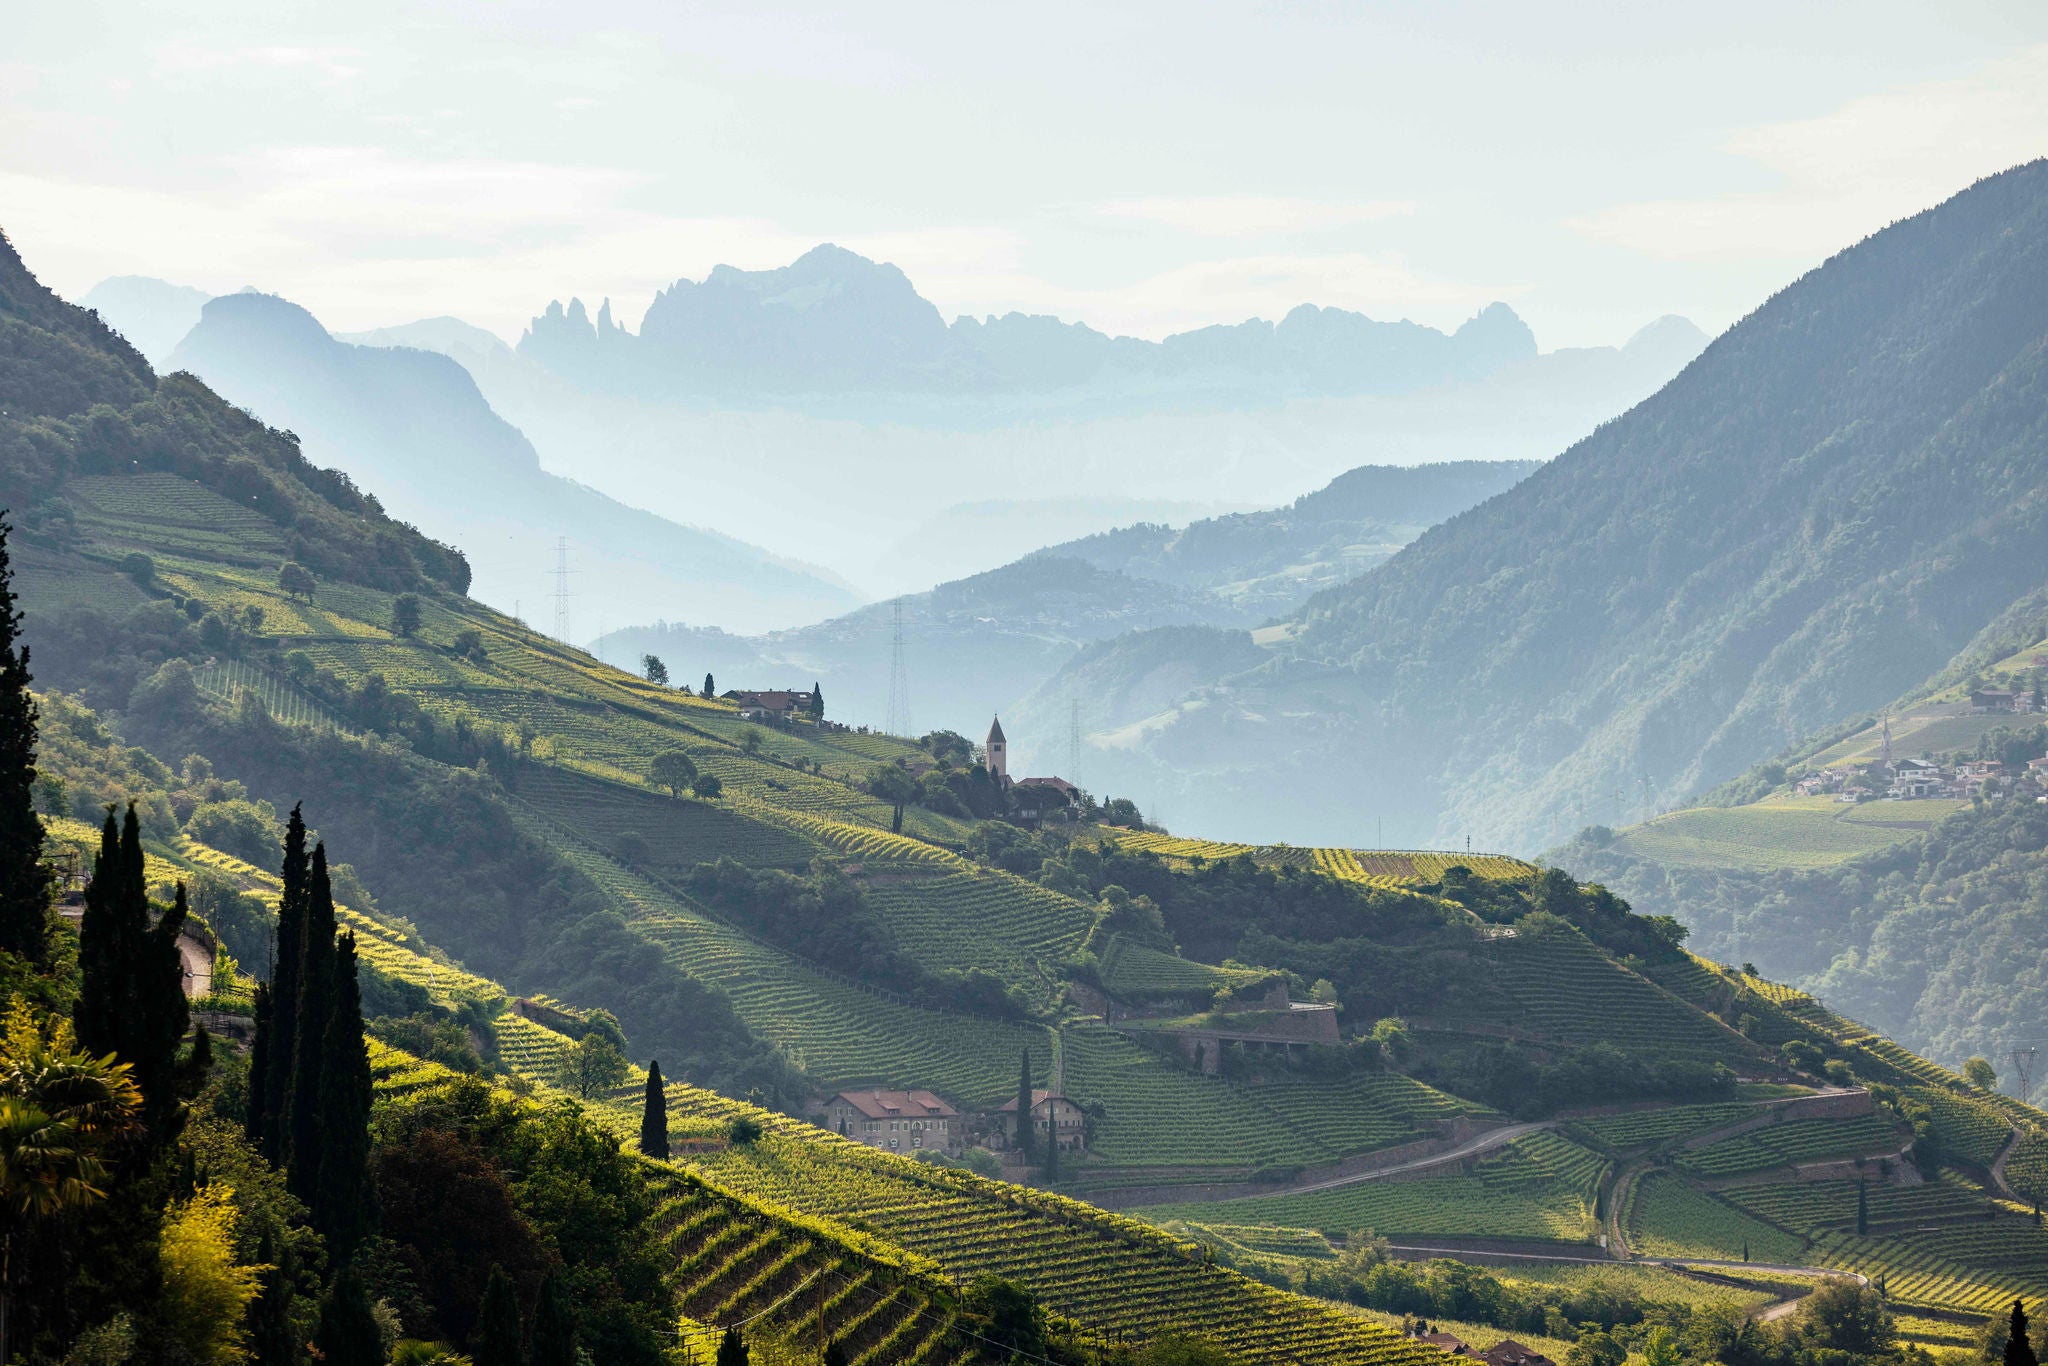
592, 730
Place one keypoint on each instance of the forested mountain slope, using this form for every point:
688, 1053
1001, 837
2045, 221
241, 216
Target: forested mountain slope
980, 645
1817, 513
509, 800
411, 425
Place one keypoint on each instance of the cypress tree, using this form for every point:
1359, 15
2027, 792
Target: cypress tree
348, 1334
345, 1204
316, 1002
654, 1115
709, 687
495, 1339
259, 1068
162, 1013
1025, 1145
272, 1339
286, 953
24, 878
732, 1349
131, 999
105, 933
554, 1325
817, 703
2018, 1351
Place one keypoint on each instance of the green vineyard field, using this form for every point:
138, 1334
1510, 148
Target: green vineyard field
1539, 1187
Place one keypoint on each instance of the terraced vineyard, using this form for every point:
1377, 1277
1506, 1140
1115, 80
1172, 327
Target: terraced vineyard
1121, 1278
842, 1033
862, 843
2026, 1170
983, 919
1813, 1207
1652, 1128
1541, 1186
674, 835
1919, 1277
1970, 1129
1666, 1217
1133, 972
1542, 984
1793, 1142
1175, 847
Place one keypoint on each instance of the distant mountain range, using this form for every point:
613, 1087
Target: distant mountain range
979, 645
835, 323
1819, 512
412, 425
826, 411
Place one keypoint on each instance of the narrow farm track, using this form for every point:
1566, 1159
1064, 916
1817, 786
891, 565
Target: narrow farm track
1471, 1147
1998, 1165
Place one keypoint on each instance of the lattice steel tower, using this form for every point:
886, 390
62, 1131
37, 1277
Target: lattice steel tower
899, 679
562, 572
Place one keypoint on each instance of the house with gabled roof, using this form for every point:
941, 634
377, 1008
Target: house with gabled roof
896, 1121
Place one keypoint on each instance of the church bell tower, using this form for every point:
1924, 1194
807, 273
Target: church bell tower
998, 753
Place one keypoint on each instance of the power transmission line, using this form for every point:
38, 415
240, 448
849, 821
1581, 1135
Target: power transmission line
562, 595
899, 679
2023, 1069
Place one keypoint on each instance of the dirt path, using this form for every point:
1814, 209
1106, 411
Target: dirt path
197, 964
1998, 1165
1471, 1147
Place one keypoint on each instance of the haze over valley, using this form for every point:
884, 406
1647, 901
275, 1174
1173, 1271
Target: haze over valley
892, 686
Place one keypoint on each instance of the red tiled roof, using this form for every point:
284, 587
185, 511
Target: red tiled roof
1038, 1098
897, 1104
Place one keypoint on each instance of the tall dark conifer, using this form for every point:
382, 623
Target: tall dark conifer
345, 1207
162, 1013
495, 1339
554, 1325
24, 878
286, 954
309, 1044
654, 1114
348, 1334
273, 1340
1025, 1137
131, 998
2018, 1350
106, 936
259, 1066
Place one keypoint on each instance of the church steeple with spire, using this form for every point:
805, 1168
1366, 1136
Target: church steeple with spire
998, 753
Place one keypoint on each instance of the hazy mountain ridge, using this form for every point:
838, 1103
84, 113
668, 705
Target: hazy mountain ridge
834, 321
981, 644
414, 425
1820, 511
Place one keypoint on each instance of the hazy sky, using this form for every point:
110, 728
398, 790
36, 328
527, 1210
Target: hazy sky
1145, 167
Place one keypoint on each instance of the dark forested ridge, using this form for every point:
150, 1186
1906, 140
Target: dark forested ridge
1818, 513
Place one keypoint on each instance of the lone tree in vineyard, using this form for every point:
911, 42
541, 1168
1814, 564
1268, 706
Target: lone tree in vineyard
24, 880
654, 670
673, 770
654, 1115
405, 615
710, 688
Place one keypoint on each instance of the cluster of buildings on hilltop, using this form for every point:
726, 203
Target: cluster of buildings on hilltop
910, 1122
1906, 779
1031, 799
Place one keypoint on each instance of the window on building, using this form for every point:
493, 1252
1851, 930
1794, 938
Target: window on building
917, 1142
